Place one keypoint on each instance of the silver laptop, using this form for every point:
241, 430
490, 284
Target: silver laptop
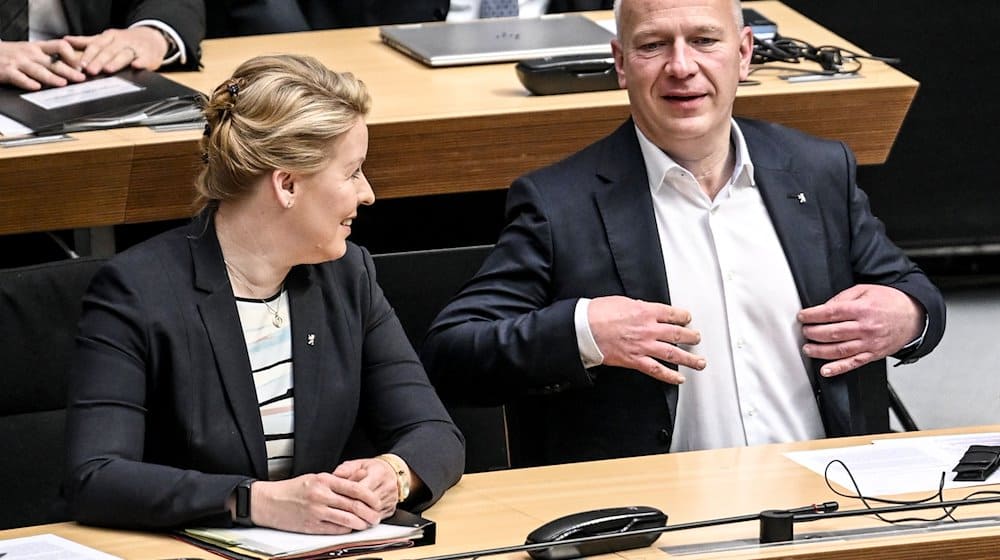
498, 39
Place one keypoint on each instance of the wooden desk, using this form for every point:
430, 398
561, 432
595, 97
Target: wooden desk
497, 509
432, 131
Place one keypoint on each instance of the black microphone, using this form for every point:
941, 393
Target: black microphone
613, 532
779, 525
825, 507
779, 528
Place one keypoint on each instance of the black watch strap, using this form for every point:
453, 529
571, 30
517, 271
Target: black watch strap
242, 517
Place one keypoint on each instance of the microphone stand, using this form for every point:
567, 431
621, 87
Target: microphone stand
775, 526
569, 543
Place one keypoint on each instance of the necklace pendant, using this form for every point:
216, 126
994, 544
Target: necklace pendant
277, 321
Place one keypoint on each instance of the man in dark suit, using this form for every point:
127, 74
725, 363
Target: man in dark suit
230, 18
64, 42
460, 10
691, 281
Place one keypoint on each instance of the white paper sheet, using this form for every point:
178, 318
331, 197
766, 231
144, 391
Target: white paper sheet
273, 542
54, 98
897, 466
49, 547
11, 128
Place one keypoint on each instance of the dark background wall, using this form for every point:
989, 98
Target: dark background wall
941, 184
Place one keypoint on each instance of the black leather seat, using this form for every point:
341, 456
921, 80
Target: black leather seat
39, 310
419, 284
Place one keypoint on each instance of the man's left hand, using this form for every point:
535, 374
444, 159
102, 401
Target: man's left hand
140, 47
861, 324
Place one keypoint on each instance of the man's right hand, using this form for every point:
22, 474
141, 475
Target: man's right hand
635, 334
31, 65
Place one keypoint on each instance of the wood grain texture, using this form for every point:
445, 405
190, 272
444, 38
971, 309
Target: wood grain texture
497, 509
433, 131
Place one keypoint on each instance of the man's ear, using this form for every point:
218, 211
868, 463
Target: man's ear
619, 54
746, 52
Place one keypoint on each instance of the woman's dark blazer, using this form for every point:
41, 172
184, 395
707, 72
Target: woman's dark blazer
163, 420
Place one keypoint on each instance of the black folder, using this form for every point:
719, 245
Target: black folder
427, 531
159, 100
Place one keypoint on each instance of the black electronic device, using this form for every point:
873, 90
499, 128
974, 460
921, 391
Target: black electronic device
568, 73
760, 25
607, 522
129, 97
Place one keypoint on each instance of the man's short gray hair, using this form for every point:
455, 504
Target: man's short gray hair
737, 14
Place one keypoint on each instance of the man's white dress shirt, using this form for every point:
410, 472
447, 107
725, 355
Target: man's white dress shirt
726, 266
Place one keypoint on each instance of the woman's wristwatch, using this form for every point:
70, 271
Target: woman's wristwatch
242, 517
402, 474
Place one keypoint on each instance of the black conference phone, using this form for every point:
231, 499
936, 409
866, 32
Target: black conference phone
599, 522
568, 73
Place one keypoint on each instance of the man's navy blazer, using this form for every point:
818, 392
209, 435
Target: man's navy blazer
186, 17
163, 419
585, 227
251, 17
556, 6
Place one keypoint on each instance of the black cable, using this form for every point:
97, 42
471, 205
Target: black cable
805, 71
789, 50
939, 496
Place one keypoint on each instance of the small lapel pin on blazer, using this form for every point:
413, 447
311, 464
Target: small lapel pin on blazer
801, 197
311, 339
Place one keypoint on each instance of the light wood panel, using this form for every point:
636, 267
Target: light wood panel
433, 131
496, 509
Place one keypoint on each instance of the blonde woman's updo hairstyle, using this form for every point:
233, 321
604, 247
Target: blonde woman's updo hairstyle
276, 112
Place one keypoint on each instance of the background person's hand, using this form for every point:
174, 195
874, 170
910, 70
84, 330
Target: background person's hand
861, 324
377, 476
32, 65
320, 503
140, 47
635, 334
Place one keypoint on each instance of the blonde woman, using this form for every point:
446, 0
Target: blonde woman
246, 368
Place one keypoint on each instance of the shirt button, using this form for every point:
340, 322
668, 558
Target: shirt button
752, 412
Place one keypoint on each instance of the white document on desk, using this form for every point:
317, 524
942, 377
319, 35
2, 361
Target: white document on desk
275, 543
92, 90
49, 547
897, 466
10, 127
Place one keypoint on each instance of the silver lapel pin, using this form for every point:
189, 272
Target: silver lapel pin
311, 339
801, 197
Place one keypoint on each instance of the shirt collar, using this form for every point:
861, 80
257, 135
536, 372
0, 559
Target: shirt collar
658, 163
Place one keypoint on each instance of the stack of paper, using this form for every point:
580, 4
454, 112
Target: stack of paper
266, 544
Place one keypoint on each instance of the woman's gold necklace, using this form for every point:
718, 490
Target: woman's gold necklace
276, 319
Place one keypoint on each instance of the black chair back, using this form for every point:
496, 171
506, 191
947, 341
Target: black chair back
419, 284
39, 311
